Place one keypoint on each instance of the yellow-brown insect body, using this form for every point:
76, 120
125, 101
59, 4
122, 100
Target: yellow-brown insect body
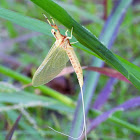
64, 42
75, 63
55, 62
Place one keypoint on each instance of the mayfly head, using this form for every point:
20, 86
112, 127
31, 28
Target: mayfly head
56, 33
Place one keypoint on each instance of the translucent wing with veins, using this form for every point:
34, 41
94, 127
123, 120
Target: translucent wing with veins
52, 65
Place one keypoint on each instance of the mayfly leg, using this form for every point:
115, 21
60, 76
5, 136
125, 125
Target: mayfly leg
66, 33
47, 19
52, 21
51, 24
74, 42
69, 37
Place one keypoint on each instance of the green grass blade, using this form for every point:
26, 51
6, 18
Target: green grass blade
25, 126
24, 21
64, 99
122, 123
85, 14
18, 96
86, 38
135, 70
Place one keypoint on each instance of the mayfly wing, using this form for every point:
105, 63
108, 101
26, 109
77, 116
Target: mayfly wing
50, 52
34, 80
53, 64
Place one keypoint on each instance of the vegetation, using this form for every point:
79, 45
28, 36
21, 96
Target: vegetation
25, 39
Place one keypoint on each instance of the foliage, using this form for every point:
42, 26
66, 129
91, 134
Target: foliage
23, 49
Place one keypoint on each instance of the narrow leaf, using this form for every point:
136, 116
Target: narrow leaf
104, 94
11, 132
46, 90
108, 72
21, 98
103, 70
135, 102
24, 21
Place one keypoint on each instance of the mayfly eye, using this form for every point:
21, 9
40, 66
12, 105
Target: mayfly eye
53, 31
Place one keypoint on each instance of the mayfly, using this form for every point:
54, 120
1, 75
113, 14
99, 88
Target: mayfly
55, 62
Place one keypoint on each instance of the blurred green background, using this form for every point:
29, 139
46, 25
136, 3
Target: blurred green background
23, 50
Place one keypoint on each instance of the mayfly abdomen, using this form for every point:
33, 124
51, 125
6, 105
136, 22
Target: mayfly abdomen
76, 65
